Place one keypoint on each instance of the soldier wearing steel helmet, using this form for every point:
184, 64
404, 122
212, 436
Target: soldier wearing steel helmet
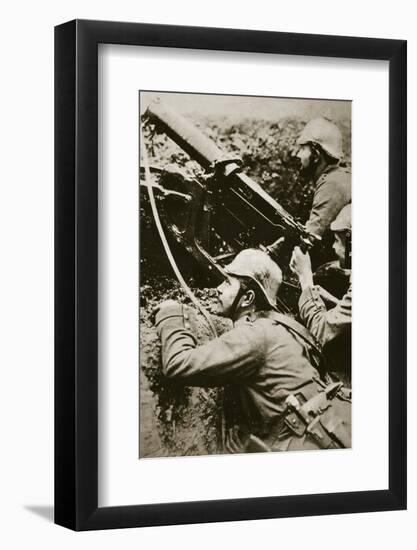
320, 152
270, 359
331, 326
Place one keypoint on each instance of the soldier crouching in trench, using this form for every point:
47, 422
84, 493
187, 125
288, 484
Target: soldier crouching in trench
330, 326
271, 360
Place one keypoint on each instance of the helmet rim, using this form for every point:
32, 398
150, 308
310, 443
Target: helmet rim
325, 134
271, 272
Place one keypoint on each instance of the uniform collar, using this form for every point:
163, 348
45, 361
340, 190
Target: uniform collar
245, 320
255, 316
330, 168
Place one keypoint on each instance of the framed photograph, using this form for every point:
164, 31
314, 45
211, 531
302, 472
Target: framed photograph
221, 197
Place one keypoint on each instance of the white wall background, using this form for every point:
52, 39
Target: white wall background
26, 300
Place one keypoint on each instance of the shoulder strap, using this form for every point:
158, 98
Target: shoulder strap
300, 330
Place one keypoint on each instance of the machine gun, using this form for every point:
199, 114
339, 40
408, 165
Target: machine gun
223, 212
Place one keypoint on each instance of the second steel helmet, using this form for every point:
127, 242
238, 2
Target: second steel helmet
325, 134
261, 269
343, 221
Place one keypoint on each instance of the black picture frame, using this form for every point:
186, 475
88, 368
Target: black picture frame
76, 272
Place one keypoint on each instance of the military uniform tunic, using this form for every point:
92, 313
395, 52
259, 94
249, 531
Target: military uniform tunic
325, 324
265, 359
332, 328
332, 193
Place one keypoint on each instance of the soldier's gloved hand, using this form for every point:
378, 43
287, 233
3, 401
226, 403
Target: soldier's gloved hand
300, 264
165, 304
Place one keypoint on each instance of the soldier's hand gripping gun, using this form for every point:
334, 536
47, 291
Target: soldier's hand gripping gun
216, 216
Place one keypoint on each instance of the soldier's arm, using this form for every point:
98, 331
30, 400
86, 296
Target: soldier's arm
233, 357
325, 325
328, 201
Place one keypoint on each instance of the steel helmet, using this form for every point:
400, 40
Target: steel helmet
261, 269
343, 221
324, 133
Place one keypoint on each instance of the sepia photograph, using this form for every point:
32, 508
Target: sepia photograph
245, 277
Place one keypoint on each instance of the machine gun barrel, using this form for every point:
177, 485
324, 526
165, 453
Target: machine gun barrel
184, 133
